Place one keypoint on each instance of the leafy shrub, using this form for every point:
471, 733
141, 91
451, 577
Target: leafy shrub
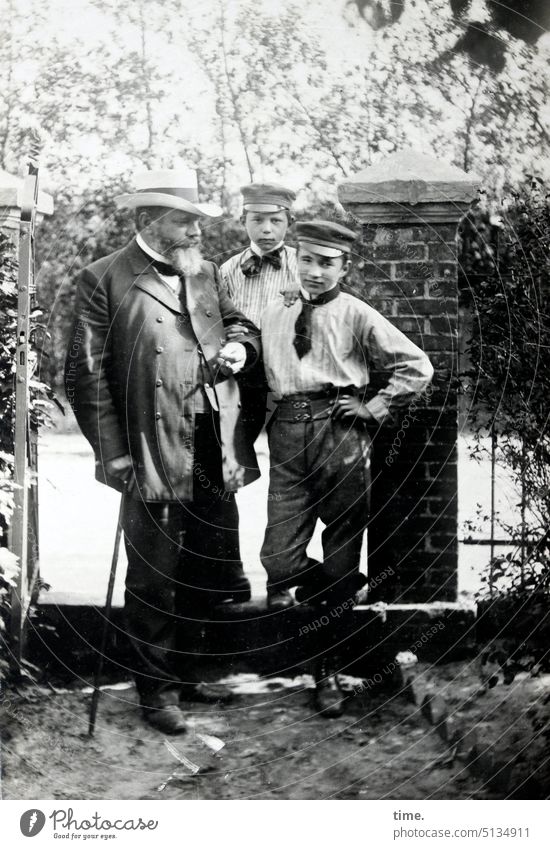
506, 284
40, 404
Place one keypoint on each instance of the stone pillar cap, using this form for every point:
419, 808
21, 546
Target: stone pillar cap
409, 177
11, 192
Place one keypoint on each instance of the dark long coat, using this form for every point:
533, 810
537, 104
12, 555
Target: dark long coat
133, 363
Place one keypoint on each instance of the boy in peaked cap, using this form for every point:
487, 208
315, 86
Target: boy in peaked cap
261, 274
318, 354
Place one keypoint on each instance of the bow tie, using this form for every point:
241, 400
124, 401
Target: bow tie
252, 266
162, 267
302, 328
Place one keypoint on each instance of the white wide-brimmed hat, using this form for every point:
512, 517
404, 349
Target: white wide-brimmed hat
173, 189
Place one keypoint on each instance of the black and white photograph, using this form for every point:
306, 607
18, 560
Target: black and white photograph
274, 416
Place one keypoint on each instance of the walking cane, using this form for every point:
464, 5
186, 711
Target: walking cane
107, 620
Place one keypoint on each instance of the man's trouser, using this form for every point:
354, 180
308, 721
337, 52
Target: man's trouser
176, 554
319, 468
254, 404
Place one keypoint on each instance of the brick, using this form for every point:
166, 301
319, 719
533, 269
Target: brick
435, 524
442, 289
443, 436
395, 289
443, 541
443, 251
387, 233
407, 325
428, 306
422, 234
399, 249
378, 271
444, 232
386, 306
419, 270
444, 324
442, 361
440, 343
370, 232
443, 453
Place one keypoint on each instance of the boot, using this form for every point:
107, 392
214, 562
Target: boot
329, 698
163, 713
279, 599
207, 692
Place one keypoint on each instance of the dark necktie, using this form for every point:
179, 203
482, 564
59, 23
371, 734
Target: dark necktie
252, 266
163, 267
302, 328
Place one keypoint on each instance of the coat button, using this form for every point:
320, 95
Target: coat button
208, 313
158, 416
160, 319
158, 382
207, 386
160, 349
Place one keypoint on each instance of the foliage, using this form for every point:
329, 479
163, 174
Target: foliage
40, 404
510, 381
482, 41
239, 91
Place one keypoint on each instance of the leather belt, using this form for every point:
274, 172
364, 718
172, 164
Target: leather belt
305, 407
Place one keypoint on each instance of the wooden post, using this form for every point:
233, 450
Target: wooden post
17, 196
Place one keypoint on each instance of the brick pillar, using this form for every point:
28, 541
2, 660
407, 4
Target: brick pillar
409, 206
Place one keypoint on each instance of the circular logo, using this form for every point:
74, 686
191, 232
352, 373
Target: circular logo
32, 822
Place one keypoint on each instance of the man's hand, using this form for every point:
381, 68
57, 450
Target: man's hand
350, 406
121, 468
236, 330
290, 296
232, 358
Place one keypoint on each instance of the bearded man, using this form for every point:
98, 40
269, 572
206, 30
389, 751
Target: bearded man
150, 377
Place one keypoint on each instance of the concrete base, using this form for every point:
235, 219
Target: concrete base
249, 638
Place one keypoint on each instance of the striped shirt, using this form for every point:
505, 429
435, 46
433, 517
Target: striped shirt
348, 338
251, 295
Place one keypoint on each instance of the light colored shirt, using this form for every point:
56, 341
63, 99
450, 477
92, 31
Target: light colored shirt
252, 294
348, 338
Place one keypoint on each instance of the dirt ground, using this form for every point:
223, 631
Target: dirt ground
275, 747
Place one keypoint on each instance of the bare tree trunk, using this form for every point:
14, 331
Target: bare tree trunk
146, 88
320, 135
232, 93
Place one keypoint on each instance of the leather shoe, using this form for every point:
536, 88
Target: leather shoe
211, 693
239, 593
279, 599
166, 718
329, 698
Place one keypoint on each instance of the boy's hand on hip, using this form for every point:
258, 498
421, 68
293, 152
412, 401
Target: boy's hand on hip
349, 406
232, 358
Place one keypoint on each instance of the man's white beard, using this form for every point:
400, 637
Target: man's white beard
187, 261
